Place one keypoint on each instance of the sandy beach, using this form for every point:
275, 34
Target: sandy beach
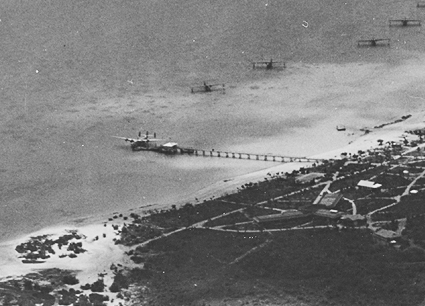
107, 70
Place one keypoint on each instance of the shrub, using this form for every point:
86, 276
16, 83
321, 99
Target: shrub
120, 281
97, 286
70, 280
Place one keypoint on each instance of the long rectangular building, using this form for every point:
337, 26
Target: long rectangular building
286, 215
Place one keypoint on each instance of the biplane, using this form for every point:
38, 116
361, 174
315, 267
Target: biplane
373, 42
269, 64
208, 88
404, 22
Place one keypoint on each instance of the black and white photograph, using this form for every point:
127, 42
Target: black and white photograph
212, 152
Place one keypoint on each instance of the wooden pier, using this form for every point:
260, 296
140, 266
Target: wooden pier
250, 156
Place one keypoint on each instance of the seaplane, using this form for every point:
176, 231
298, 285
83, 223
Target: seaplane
268, 64
142, 142
373, 42
404, 22
208, 88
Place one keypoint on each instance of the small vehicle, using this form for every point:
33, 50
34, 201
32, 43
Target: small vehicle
404, 22
141, 143
268, 65
420, 4
208, 88
373, 42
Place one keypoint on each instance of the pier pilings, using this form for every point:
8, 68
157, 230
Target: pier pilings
249, 156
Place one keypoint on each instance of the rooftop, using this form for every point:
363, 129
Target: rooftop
287, 215
170, 145
330, 200
387, 234
368, 184
353, 217
327, 214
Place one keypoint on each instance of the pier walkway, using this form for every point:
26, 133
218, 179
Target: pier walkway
236, 155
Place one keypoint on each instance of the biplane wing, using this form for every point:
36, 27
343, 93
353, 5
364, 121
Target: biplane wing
127, 139
208, 88
405, 22
269, 64
373, 42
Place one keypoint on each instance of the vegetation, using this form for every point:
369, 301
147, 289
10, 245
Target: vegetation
134, 233
190, 214
233, 218
365, 206
409, 206
351, 181
415, 229
32, 289
340, 268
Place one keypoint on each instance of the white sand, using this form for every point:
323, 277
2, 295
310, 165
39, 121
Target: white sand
100, 255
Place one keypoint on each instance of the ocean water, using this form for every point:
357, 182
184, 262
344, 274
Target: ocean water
75, 73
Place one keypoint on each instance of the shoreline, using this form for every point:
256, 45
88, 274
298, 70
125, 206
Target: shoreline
91, 226
86, 175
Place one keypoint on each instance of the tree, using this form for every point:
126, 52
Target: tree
97, 286
70, 280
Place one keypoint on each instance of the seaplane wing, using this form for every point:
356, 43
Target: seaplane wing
127, 139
